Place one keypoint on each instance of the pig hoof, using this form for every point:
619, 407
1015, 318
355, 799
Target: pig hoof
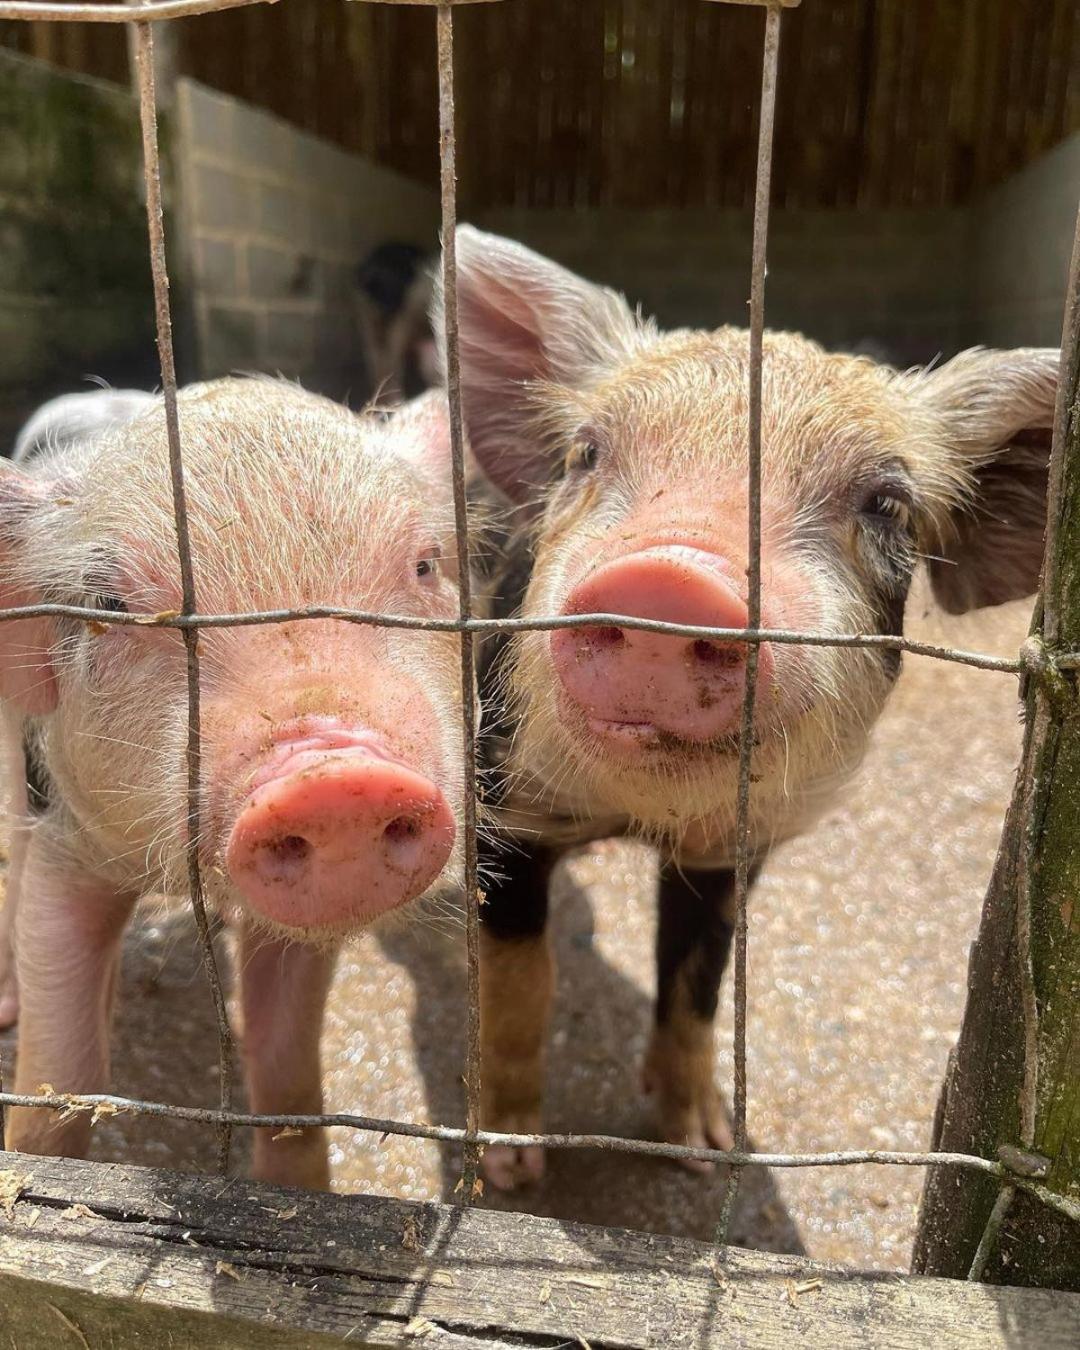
306, 1169
693, 1118
507, 1168
679, 1070
700, 1125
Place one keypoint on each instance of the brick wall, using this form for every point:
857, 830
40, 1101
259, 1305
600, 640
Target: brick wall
272, 223
269, 223
901, 280
908, 284
75, 295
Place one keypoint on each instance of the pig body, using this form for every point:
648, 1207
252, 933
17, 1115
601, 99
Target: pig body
70, 418
622, 450
331, 787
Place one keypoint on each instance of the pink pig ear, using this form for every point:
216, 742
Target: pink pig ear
522, 320
27, 675
421, 436
997, 408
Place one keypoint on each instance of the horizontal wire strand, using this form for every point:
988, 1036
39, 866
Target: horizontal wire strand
155, 10
103, 1105
1008, 665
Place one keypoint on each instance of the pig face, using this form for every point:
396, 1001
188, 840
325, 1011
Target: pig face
625, 451
331, 786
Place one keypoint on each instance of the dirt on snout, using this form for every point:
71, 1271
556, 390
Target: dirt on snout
859, 935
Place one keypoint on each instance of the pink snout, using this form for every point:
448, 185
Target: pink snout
338, 837
631, 684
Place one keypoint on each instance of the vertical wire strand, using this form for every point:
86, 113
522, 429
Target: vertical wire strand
448, 183
746, 734
144, 64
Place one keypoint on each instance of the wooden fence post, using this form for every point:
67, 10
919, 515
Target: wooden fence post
1012, 1089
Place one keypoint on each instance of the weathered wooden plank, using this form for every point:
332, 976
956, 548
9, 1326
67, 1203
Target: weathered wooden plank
97, 1255
1014, 1076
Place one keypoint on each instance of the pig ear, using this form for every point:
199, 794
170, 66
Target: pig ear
27, 676
998, 409
421, 434
78, 417
523, 319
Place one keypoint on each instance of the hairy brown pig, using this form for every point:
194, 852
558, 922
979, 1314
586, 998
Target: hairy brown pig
622, 450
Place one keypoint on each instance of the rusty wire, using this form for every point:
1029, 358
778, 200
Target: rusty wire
1028, 660
769, 62
102, 1104
447, 172
49, 12
144, 66
189, 622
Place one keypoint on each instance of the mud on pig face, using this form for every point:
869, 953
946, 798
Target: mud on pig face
331, 783
625, 450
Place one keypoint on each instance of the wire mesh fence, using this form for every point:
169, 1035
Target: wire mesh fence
1032, 659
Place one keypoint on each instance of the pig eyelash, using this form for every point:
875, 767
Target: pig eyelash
99, 579
890, 507
427, 568
111, 604
583, 455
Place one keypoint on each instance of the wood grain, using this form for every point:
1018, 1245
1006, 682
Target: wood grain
109, 1256
628, 103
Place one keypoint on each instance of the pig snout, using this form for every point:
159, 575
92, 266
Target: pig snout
337, 832
633, 685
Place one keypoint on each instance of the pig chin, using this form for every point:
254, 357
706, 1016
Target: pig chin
667, 775
329, 828
682, 793
665, 782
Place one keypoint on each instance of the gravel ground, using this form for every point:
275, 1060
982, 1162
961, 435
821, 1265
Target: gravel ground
858, 947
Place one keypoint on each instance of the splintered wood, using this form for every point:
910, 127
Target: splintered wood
171, 1256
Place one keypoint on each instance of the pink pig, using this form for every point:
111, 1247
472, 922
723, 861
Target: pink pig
331, 778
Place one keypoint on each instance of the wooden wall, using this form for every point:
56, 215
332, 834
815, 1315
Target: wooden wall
651, 103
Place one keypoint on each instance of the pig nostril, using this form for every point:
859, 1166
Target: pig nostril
724, 656
403, 829
405, 838
600, 638
290, 848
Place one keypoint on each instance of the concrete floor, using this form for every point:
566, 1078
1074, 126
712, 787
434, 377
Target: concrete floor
859, 935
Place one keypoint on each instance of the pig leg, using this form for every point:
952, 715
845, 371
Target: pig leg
517, 976
692, 945
69, 926
283, 988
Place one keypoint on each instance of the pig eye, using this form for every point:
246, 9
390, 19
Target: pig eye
884, 507
427, 568
111, 604
583, 454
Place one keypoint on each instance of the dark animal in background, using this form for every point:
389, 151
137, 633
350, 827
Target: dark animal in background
393, 296
621, 450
